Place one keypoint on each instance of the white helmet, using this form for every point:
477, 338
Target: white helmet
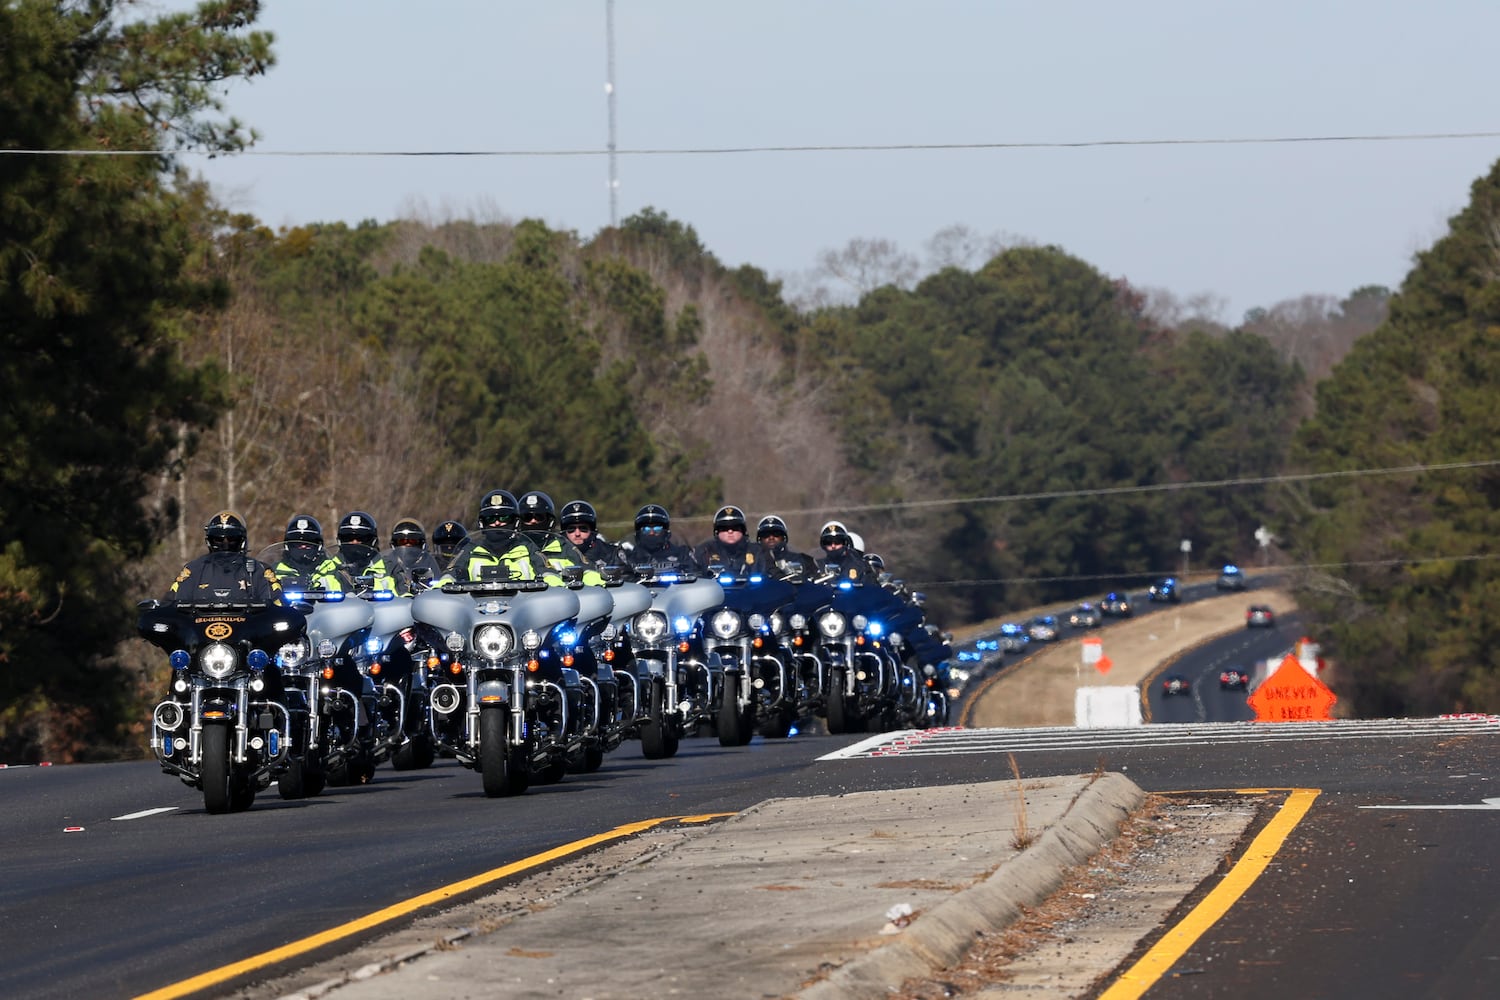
856, 542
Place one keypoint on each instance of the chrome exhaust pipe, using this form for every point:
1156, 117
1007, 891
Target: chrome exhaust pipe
445, 699
168, 716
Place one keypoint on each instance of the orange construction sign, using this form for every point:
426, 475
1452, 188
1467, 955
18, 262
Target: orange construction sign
1103, 664
1291, 694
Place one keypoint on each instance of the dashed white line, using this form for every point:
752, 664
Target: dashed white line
144, 813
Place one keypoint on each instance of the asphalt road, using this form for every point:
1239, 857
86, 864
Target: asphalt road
1205, 701
125, 905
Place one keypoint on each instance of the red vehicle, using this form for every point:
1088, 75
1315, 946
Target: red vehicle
1233, 678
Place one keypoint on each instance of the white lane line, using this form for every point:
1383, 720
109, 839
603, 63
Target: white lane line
144, 813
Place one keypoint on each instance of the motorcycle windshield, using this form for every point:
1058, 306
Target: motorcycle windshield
764, 596
190, 626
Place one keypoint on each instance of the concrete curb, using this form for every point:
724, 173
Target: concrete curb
940, 938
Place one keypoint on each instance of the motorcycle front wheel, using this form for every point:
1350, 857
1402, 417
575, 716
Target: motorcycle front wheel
215, 770
658, 736
504, 771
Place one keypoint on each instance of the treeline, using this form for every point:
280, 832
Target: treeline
1017, 430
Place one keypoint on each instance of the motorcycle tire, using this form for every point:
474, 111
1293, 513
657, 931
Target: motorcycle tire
552, 773
504, 771
658, 738
241, 792
292, 784
735, 729
779, 725
585, 761
415, 754
842, 718
216, 774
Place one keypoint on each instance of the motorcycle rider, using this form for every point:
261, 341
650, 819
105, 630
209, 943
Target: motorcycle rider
304, 562
225, 574
840, 558
654, 549
358, 556
408, 554
497, 551
537, 519
728, 550
580, 524
449, 538
788, 564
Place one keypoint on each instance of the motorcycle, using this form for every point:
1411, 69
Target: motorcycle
676, 682
495, 712
223, 729
760, 682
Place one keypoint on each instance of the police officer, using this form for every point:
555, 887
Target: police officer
654, 549
303, 562
409, 557
447, 541
785, 563
538, 517
359, 556
497, 550
840, 558
580, 525
225, 574
728, 549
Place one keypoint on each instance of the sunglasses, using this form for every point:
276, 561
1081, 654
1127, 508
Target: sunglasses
736, 530
574, 529
652, 529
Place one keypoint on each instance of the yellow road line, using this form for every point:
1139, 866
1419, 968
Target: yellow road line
294, 948
1174, 944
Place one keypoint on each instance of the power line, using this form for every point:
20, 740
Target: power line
1150, 574
740, 150
1205, 484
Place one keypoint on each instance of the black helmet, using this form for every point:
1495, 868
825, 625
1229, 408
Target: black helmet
770, 525
498, 509
833, 532
449, 537
576, 512
303, 528
358, 528
729, 517
225, 532
652, 516
408, 531
537, 510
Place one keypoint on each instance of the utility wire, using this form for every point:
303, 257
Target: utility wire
739, 150
1296, 477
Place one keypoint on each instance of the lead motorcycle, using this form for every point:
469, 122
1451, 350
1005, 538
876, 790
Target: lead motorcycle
224, 728
494, 711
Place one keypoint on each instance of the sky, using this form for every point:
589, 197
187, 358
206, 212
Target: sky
1249, 224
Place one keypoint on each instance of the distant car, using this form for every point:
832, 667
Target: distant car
1012, 638
1230, 578
1165, 590
1115, 605
1085, 616
1175, 684
1043, 628
1260, 616
1233, 678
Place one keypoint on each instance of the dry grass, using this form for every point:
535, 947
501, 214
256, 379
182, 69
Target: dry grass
1023, 836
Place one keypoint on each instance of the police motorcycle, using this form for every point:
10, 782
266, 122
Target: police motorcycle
800, 640
624, 716
759, 688
676, 683
869, 685
497, 711
605, 716
922, 645
224, 728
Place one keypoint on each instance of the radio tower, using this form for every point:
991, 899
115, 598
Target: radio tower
609, 93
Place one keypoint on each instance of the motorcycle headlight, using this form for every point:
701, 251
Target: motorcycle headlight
778, 623
454, 642
799, 620
860, 621
292, 654
831, 624
651, 626
726, 624
218, 660
493, 642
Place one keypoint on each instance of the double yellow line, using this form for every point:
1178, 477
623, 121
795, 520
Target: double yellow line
214, 977
1174, 944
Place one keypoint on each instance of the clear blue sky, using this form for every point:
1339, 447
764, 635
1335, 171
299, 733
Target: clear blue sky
1254, 224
